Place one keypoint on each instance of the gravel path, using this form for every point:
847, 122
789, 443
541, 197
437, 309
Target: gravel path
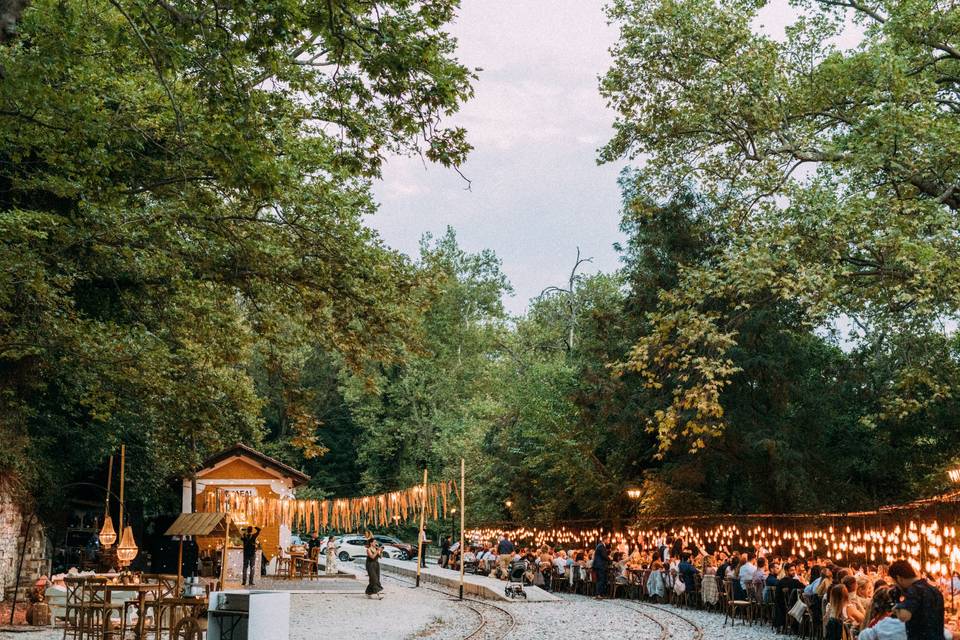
338, 609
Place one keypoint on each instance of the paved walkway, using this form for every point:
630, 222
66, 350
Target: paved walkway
474, 585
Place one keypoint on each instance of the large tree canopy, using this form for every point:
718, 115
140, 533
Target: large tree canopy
182, 185
834, 172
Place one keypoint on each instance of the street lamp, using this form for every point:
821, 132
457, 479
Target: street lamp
634, 493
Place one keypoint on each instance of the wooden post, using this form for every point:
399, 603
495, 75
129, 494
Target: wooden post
106, 505
421, 548
463, 506
223, 560
123, 466
179, 592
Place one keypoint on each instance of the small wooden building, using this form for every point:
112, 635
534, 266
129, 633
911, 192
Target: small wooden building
244, 469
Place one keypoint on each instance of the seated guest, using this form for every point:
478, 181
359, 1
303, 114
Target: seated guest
834, 613
747, 569
656, 584
709, 591
814, 580
879, 623
560, 563
687, 572
864, 594
770, 583
785, 586
853, 612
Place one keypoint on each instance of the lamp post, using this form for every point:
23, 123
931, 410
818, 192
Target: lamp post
453, 523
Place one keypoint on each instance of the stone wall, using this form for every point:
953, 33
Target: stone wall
11, 520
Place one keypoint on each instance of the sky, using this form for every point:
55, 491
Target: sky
536, 122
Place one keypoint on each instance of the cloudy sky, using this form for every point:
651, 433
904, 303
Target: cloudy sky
536, 123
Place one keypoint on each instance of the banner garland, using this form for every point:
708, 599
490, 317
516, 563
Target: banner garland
338, 514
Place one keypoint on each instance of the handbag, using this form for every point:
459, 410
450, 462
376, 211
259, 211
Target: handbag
679, 586
797, 610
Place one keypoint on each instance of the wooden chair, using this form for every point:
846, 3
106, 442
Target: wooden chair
153, 605
74, 604
733, 606
691, 598
96, 612
284, 564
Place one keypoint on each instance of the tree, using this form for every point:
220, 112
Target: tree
833, 172
435, 406
184, 182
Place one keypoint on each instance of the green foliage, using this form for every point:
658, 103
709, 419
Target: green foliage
833, 173
182, 188
435, 407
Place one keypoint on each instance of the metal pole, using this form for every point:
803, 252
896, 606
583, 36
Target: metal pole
421, 548
463, 506
23, 552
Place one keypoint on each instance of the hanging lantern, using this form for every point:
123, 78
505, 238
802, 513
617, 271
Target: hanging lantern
107, 533
127, 549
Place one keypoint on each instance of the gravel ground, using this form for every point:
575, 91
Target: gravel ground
338, 609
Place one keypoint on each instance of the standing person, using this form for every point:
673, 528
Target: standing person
922, 606
249, 540
601, 560
313, 548
374, 588
505, 551
331, 565
445, 552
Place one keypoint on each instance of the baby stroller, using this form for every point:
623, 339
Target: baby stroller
514, 588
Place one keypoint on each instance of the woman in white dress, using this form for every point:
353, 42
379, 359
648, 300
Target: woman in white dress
331, 563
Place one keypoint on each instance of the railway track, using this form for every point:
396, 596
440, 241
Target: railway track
496, 622
696, 632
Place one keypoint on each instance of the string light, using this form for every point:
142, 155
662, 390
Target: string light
924, 544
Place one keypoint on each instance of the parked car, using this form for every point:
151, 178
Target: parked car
409, 550
355, 546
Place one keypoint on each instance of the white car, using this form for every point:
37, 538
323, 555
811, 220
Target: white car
350, 547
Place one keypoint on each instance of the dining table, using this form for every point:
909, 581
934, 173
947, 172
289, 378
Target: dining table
141, 590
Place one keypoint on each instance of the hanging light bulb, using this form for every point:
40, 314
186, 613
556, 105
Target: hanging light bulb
127, 549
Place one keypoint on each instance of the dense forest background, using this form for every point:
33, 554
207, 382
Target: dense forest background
182, 189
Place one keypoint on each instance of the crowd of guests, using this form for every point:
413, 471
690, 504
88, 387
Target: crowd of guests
866, 601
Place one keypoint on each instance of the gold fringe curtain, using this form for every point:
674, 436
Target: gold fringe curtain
338, 514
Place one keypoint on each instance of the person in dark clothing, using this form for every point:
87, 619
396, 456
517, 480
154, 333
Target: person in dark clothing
374, 588
601, 560
677, 548
313, 549
781, 592
249, 540
505, 546
922, 606
687, 572
445, 552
